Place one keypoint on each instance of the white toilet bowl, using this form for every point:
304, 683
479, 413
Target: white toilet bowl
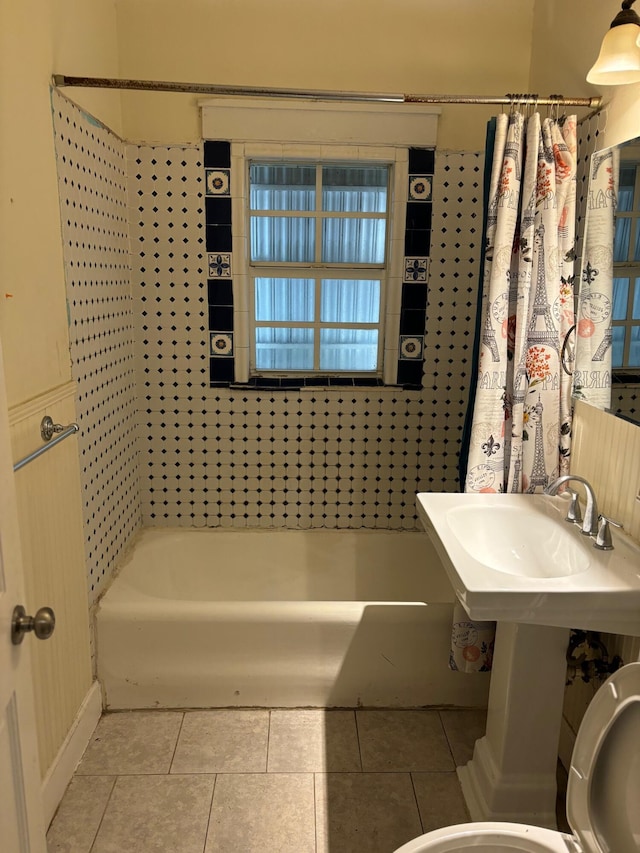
603, 794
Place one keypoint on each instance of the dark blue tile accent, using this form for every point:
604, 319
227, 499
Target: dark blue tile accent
218, 210
217, 154
221, 318
416, 242
267, 382
220, 292
412, 322
414, 296
221, 369
419, 215
288, 383
422, 160
410, 373
364, 381
219, 238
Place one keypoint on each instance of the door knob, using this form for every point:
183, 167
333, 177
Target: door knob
42, 624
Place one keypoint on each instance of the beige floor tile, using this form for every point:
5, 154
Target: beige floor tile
76, 823
463, 729
402, 741
303, 741
262, 813
358, 812
440, 800
132, 742
156, 814
227, 741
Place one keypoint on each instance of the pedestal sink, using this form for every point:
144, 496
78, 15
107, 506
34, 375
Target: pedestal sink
513, 559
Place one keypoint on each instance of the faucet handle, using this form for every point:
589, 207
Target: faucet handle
603, 537
574, 513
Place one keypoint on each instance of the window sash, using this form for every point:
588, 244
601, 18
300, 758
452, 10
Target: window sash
315, 269
317, 324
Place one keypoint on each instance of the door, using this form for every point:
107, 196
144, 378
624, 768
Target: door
21, 826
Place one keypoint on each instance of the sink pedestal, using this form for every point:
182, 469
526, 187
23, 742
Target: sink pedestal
512, 775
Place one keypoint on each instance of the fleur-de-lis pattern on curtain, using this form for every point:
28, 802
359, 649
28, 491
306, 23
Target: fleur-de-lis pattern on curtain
520, 436
592, 369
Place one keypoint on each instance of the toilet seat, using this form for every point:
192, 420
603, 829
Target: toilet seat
490, 836
603, 794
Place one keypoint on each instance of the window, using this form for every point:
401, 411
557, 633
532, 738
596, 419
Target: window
318, 235
346, 301
626, 270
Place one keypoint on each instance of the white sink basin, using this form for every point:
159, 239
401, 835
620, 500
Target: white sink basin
514, 558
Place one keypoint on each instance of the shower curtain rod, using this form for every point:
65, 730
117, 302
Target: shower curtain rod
319, 95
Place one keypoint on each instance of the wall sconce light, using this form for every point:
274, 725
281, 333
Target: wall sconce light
619, 59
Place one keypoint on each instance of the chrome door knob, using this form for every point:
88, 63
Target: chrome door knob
42, 624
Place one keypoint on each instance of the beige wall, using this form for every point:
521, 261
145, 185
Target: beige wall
408, 46
37, 37
566, 41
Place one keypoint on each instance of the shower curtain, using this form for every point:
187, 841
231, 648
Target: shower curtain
521, 425
520, 437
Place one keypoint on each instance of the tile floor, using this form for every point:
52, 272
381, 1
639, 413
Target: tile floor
279, 781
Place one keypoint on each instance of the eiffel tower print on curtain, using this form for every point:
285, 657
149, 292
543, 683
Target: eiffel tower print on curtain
541, 315
539, 471
489, 339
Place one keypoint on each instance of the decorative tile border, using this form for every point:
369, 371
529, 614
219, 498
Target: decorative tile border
420, 188
217, 181
219, 264
411, 347
219, 240
416, 269
219, 237
221, 344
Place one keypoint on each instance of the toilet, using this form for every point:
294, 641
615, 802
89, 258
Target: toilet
603, 794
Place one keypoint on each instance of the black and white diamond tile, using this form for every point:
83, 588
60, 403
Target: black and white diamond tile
92, 184
235, 457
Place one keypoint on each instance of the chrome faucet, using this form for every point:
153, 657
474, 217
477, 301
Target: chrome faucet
590, 523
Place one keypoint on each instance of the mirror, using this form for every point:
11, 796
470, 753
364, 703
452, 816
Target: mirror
606, 342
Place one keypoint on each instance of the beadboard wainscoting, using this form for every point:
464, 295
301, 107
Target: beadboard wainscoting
606, 450
50, 516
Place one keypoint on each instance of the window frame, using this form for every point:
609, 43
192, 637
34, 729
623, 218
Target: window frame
396, 157
319, 270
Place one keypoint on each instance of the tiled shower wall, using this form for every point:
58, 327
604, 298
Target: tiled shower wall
95, 233
335, 457
203, 456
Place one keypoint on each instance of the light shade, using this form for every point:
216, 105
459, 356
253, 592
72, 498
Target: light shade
619, 59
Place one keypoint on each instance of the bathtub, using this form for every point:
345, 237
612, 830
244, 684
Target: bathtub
318, 618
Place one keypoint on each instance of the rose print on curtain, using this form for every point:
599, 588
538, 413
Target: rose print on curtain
520, 436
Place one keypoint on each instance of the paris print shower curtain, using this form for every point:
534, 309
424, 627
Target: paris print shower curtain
520, 433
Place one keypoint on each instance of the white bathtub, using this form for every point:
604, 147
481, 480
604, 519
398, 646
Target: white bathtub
221, 618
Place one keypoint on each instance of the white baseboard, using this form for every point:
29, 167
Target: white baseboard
59, 774
566, 744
